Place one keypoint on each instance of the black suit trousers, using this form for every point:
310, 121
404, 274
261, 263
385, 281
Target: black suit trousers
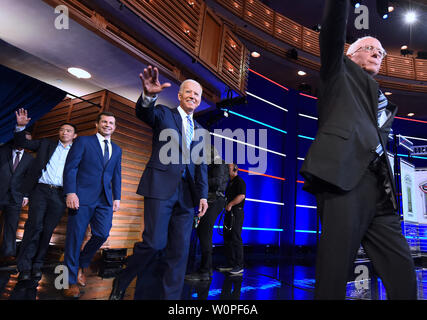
10, 212
205, 232
160, 260
233, 244
364, 215
46, 207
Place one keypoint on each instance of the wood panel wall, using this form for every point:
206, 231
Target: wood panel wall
132, 135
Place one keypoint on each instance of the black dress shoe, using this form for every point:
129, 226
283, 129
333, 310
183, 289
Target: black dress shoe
36, 274
116, 292
24, 275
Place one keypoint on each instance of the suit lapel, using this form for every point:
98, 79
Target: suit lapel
178, 121
114, 153
10, 161
23, 162
97, 146
373, 106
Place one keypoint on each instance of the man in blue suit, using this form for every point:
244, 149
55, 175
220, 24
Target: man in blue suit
172, 189
92, 183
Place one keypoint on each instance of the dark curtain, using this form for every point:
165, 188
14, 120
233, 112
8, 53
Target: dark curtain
18, 90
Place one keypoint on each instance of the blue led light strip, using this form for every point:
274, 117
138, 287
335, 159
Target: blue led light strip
305, 137
253, 120
404, 155
252, 228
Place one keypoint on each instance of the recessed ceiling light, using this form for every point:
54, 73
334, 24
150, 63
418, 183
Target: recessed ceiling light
255, 54
301, 73
388, 93
411, 114
79, 73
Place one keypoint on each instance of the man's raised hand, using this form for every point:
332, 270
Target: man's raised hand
150, 81
22, 117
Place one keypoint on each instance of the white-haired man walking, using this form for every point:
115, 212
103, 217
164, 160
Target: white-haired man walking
348, 170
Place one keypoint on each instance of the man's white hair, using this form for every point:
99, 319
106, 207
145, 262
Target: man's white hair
181, 87
355, 45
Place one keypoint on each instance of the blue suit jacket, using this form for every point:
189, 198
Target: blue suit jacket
85, 175
160, 180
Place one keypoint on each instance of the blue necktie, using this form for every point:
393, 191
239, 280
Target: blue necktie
189, 133
188, 138
106, 152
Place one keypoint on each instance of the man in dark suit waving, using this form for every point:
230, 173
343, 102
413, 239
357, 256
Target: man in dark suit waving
171, 192
14, 166
92, 183
347, 167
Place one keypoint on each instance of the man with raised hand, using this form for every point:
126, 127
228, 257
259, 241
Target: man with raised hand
171, 192
348, 170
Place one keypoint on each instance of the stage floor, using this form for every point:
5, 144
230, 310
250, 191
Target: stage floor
260, 281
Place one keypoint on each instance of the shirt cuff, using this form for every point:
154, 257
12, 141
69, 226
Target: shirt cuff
19, 129
146, 100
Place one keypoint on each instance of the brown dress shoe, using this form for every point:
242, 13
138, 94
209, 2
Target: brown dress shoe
72, 292
81, 278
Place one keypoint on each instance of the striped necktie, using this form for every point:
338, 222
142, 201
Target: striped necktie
189, 133
16, 161
382, 104
382, 116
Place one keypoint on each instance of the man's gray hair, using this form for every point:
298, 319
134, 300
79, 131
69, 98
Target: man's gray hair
354, 46
190, 80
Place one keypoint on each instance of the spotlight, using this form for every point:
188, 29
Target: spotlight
404, 47
411, 114
305, 87
410, 17
301, 73
292, 53
255, 54
390, 8
316, 28
231, 102
405, 52
382, 8
388, 93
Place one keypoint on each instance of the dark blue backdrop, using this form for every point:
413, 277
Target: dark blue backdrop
292, 219
18, 90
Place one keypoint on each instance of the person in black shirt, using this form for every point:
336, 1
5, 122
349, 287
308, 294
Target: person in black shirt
218, 177
233, 221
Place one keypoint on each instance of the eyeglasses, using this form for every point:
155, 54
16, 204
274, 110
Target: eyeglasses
371, 49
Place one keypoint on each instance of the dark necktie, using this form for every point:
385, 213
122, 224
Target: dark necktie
106, 152
16, 161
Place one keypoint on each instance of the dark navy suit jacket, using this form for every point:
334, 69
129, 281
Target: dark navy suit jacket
160, 180
13, 181
85, 175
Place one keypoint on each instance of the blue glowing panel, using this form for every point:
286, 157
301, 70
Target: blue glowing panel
256, 152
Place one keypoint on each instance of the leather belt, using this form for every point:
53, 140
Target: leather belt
51, 186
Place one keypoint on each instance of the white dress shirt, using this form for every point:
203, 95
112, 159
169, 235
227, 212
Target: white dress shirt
101, 139
14, 151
